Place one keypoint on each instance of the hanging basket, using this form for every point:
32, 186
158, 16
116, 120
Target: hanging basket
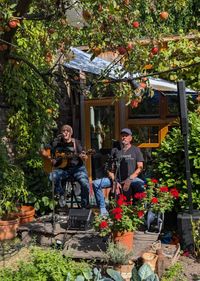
125, 239
8, 228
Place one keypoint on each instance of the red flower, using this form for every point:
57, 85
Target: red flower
122, 197
154, 200
164, 189
140, 214
174, 192
140, 195
120, 202
103, 224
154, 180
117, 210
118, 216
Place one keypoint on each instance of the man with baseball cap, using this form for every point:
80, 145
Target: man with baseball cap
125, 178
65, 168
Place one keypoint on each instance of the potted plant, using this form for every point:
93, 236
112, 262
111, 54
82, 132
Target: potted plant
156, 200
123, 219
121, 260
13, 190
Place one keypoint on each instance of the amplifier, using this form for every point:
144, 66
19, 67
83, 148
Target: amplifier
184, 223
79, 219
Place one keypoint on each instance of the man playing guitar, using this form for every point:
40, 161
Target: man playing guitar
67, 160
130, 164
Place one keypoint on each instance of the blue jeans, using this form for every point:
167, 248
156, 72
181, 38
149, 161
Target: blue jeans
79, 174
137, 185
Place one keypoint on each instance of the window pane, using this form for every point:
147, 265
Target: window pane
102, 124
149, 107
146, 134
172, 106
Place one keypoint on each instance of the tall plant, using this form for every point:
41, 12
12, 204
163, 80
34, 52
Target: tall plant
13, 187
169, 163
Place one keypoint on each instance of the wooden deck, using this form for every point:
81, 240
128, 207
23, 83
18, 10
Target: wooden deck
81, 244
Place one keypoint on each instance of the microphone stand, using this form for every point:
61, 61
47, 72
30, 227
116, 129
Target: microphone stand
116, 162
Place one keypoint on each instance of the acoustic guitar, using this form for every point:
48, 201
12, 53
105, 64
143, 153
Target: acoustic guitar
63, 156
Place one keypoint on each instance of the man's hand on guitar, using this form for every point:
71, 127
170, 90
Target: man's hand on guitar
127, 184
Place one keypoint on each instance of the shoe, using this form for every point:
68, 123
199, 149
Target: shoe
62, 201
103, 212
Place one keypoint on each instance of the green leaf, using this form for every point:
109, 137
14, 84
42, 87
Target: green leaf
114, 274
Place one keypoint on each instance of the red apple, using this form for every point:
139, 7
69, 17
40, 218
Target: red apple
126, 2
86, 15
122, 50
154, 50
51, 30
13, 23
135, 24
129, 46
96, 51
164, 15
100, 8
134, 103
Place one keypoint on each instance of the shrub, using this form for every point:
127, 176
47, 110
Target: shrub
169, 161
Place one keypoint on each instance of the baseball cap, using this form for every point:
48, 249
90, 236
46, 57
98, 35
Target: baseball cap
68, 128
126, 131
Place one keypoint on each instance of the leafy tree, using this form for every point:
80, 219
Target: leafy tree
35, 40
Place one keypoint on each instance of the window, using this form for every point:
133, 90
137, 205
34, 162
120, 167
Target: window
148, 108
172, 105
146, 134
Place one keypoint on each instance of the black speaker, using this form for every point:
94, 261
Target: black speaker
79, 219
184, 223
183, 107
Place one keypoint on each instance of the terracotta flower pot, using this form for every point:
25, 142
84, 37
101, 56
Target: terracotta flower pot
125, 239
26, 214
8, 228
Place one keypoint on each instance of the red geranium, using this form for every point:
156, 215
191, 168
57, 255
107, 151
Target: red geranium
164, 189
103, 224
116, 210
123, 216
140, 214
174, 192
160, 197
154, 200
118, 216
140, 195
154, 180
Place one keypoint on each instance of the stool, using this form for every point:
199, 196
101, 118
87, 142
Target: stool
69, 186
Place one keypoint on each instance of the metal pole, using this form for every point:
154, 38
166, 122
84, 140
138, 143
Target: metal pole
184, 132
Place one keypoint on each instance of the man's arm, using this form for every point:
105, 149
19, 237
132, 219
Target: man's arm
137, 171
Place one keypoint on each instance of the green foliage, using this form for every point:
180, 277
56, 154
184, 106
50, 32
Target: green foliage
174, 273
13, 186
169, 164
45, 265
196, 236
117, 254
114, 274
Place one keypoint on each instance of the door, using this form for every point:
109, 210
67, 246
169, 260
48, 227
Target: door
101, 129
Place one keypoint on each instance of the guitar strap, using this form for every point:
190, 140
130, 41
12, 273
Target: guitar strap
75, 146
